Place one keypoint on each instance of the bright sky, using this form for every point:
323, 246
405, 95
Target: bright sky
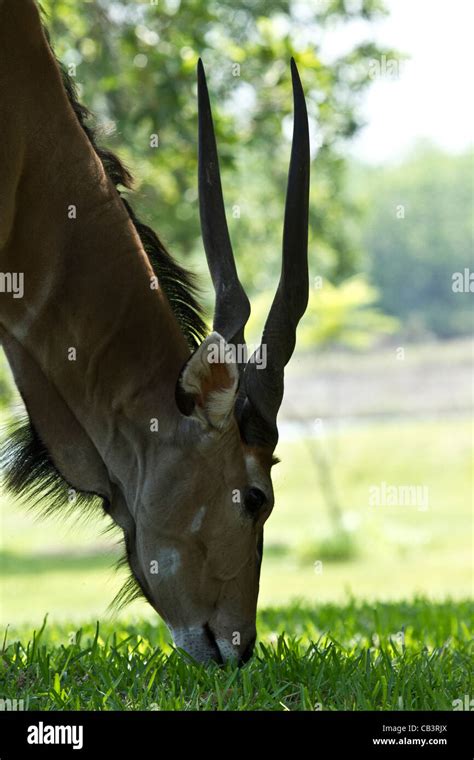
433, 96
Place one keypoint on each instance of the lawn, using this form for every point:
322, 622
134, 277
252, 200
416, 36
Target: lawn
389, 656
371, 615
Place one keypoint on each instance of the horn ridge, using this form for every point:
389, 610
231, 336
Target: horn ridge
232, 307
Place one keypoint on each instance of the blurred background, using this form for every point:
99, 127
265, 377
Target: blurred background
374, 490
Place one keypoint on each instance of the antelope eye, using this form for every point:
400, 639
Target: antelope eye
254, 500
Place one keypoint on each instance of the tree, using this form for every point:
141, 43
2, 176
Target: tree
417, 234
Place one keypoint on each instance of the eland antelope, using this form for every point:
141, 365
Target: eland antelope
130, 403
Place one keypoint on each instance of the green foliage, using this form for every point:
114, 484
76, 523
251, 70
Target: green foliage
402, 655
136, 67
7, 392
417, 234
345, 314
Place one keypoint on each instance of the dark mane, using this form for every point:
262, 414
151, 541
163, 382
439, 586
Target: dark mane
30, 473
28, 470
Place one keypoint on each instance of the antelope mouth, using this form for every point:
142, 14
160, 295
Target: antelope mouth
213, 644
204, 646
199, 642
225, 651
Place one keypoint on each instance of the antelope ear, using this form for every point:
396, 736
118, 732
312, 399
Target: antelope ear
211, 378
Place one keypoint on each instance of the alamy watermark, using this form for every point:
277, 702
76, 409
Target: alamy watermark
386, 495
463, 282
466, 703
386, 67
228, 353
12, 282
49, 734
11, 705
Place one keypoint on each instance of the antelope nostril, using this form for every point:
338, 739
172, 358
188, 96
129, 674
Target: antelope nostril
248, 651
212, 641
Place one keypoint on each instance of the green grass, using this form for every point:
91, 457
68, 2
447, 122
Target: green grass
409, 656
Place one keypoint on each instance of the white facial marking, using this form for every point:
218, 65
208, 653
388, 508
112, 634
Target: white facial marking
198, 518
169, 560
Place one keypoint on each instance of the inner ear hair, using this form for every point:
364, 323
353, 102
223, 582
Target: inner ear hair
211, 380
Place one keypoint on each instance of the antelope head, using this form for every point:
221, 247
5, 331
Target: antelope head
214, 487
